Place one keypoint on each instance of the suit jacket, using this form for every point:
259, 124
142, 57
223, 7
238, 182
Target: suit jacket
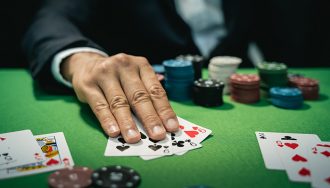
141, 27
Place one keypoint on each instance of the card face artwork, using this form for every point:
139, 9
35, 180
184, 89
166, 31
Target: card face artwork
146, 146
18, 148
268, 147
55, 152
195, 132
319, 156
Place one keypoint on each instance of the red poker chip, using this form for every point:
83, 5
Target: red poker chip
245, 87
71, 177
245, 79
303, 81
245, 100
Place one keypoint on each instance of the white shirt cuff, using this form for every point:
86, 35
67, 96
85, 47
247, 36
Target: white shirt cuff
58, 59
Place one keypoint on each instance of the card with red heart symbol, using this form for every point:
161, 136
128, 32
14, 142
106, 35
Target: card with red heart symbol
146, 146
55, 151
195, 132
292, 151
267, 144
319, 157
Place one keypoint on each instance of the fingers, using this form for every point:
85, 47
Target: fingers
100, 107
141, 103
120, 108
159, 98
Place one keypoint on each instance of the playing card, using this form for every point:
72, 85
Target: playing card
146, 146
292, 150
268, 148
319, 157
55, 151
180, 144
195, 132
18, 148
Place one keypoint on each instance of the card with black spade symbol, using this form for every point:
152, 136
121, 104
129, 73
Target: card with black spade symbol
267, 143
180, 144
146, 146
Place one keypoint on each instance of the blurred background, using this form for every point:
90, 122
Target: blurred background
295, 32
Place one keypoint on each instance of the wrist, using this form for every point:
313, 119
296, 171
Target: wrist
76, 61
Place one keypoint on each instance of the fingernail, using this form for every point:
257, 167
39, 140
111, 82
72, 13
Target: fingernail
158, 129
113, 129
132, 133
171, 124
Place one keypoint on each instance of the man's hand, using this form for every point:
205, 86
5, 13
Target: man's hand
112, 86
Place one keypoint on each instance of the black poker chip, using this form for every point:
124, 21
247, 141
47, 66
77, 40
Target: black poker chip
116, 176
197, 61
207, 92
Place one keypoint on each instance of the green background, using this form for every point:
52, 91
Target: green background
229, 158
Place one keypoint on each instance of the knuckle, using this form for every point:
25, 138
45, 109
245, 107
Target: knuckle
151, 119
118, 102
121, 58
140, 96
157, 92
100, 106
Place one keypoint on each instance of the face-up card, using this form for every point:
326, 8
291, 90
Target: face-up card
195, 132
146, 146
55, 151
319, 156
18, 148
268, 148
180, 144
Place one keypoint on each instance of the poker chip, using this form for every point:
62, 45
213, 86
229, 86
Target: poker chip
208, 92
197, 61
159, 69
244, 88
116, 176
179, 78
221, 68
286, 97
77, 177
308, 86
272, 74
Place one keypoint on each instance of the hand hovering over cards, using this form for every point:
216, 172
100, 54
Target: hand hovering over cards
112, 86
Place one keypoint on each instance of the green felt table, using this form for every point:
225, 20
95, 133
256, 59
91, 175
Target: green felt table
229, 158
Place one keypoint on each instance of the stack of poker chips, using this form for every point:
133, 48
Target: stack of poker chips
197, 61
179, 79
208, 92
308, 86
286, 97
272, 75
222, 67
244, 88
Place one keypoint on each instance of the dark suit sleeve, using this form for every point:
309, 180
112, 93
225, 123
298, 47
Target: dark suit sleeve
58, 25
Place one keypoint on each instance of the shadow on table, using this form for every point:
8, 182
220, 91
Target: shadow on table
225, 106
43, 95
322, 98
88, 116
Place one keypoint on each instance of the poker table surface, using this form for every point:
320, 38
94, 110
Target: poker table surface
229, 158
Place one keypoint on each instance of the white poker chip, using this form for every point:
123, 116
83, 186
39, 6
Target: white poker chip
225, 61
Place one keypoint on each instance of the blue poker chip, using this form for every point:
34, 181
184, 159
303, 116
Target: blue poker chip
286, 93
160, 69
178, 69
175, 63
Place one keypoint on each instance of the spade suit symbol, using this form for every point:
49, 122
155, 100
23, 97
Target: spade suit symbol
288, 138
